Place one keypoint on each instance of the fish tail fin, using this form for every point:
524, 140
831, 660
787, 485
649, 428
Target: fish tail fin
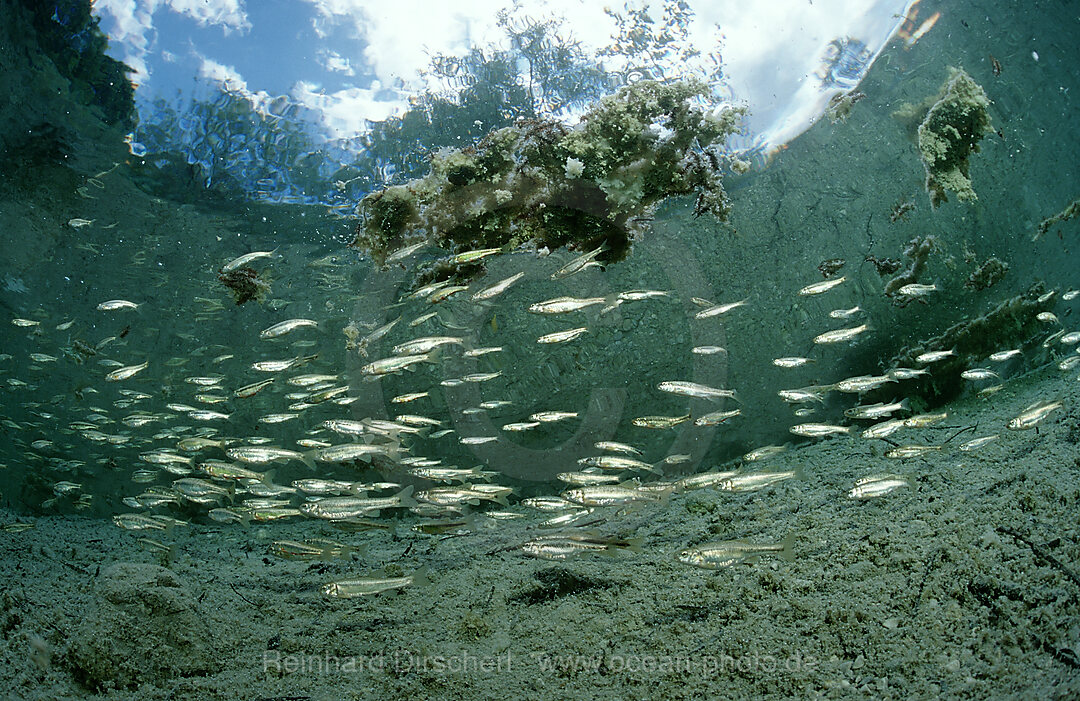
420, 577
787, 553
307, 459
405, 497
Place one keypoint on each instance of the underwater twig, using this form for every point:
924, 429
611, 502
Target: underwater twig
963, 430
242, 596
1061, 654
1041, 553
926, 576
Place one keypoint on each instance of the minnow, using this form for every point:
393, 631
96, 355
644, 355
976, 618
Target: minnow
727, 553
803, 395
395, 364
560, 546
452, 474
473, 256
820, 287
876, 486
429, 289
1035, 413
883, 429
243, 260
1002, 356
585, 479
284, 327
352, 588
126, 372
862, 383
339, 508
498, 288
697, 391
481, 376
521, 426
375, 335
562, 336
410, 397
278, 418
259, 455
552, 416
916, 290
422, 318
841, 335
578, 264
791, 362
977, 374
309, 380
563, 305
923, 420
659, 422
312, 549
703, 480
718, 309
976, 443
207, 415
354, 451
404, 252
911, 451
844, 313
716, 418
611, 495
812, 430
615, 462
638, 295
763, 453
934, 356
274, 365
114, 304
205, 381
616, 447
446, 292
753, 481
478, 440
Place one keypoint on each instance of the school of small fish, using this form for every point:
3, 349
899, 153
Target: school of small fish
187, 460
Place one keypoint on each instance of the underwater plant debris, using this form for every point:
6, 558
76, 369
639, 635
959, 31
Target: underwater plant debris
542, 183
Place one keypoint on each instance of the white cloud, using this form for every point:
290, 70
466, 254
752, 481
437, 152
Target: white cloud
230, 14
130, 24
131, 27
229, 78
345, 112
336, 63
401, 36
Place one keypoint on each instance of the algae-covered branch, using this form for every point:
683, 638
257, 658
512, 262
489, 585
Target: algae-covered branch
542, 183
951, 126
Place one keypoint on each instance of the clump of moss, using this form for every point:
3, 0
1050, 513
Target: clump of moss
987, 275
950, 133
1064, 215
918, 253
245, 284
543, 184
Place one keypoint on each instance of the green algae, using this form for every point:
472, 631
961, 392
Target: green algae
949, 135
540, 183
